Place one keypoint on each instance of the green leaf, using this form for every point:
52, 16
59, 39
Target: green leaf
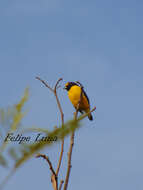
60, 133
17, 117
35, 129
13, 153
3, 161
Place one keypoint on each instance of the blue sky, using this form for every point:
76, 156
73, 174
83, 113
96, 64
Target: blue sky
98, 43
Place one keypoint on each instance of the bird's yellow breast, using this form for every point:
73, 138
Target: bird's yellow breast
74, 95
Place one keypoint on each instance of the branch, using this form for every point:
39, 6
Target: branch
69, 161
58, 102
53, 176
48, 160
62, 118
44, 83
61, 183
61, 156
55, 93
86, 114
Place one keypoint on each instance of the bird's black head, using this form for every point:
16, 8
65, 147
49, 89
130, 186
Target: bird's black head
68, 85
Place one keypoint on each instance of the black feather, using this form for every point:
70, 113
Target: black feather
85, 96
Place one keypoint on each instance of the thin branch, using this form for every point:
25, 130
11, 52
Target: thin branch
61, 183
55, 93
48, 160
54, 182
4, 182
62, 119
56, 86
86, 114
69, 161
61, 156
53, 176
45, 83
62, 145
60, 108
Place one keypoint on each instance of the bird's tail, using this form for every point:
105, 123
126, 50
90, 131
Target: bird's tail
90, 117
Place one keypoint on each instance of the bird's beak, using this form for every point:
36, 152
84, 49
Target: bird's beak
65, 88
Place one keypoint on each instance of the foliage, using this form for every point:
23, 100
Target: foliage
13, 117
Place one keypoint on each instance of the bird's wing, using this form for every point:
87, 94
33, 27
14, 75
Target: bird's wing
86, 96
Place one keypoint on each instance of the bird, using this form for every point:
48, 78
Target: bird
78, 98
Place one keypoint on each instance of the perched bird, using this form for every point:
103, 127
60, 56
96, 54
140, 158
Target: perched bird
79, 100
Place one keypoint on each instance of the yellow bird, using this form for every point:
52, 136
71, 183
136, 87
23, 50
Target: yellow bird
78, 99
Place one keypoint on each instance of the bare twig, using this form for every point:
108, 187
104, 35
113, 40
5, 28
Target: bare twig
6, 179
48, 160
58, 102
57, 83
61, 183
62, 119
54, 182
61, 156
55, 93
69, 161
53, 176
86, 114
45, 83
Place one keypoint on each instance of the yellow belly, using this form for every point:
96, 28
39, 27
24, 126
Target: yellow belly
74, 96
